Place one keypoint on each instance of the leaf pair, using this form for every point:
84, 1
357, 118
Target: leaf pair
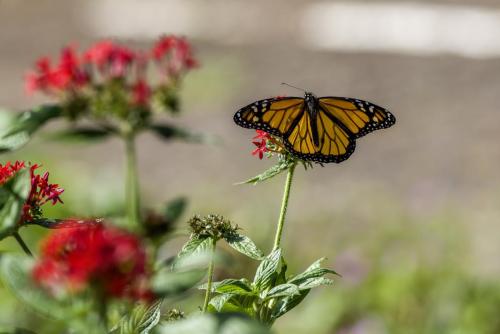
198, 247
272, 293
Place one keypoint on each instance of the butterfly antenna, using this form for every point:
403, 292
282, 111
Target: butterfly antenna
284, 83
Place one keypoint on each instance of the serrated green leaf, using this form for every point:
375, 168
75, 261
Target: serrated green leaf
174, 209
244, 245
313, 271
232, 286
314, 282
219, 301
238, 288
283, 290
282, 165
286, 304
267, 270
81, 135
14, 192
141, 320
192, 250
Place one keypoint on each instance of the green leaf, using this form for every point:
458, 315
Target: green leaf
282, 165
141, 320
169, 283
314, 282
220, 323
25, 124
174, 209
219, 301
193, 250
232, 286
314, 271
267, 270
169, 132
244, 245
15, 272
285, 305
14, 193
61, 223
81, 135
283, 290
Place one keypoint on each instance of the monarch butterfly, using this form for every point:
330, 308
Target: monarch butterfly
316, 129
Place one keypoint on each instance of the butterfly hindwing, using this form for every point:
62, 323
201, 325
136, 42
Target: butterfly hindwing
334, 142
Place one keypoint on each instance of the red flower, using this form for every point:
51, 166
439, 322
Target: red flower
260, 140
174, 55
65, 76
40, 193
110, 58
140, 93
96, 256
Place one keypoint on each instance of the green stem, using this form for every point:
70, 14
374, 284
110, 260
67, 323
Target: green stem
284, 206
21, 242
102, 307
210, 277
132, 183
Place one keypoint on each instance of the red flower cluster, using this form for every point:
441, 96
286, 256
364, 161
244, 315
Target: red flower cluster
96, 256
41, 190
260, 140
106, 61
68, 75
174, 55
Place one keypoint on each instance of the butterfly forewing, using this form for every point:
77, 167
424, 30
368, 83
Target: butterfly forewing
358, 116
275, 115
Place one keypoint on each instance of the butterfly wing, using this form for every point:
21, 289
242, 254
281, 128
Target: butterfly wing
339, 121
277, 116
357, 116
335, 143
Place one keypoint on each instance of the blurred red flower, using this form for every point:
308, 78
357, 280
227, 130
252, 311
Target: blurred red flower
174, 55
110, 58
141, 93
105, 258
40, 193
67, 75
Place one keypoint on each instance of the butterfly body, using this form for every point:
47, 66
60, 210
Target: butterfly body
316, 129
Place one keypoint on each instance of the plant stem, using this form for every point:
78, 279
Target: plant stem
284, 206
21, 242
132, 183
210, 277
102, 307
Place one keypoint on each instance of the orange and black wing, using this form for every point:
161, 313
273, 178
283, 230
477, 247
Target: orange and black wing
356, 116
276, 116
335, 142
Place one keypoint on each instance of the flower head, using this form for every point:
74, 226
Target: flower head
110, 58
211, 226
40, 193
109, 80
94, 256
174, 56
261, 140
68, 75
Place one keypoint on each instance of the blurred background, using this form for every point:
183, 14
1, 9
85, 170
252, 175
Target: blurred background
411, 220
